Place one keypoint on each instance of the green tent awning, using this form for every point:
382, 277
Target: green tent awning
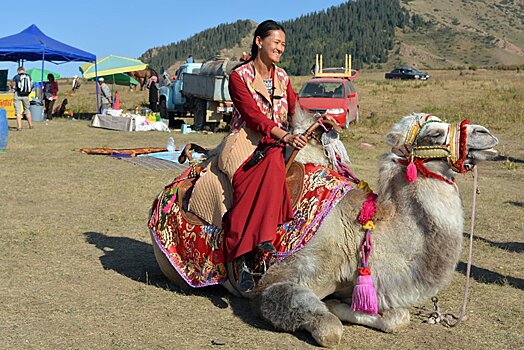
36, 74
111, 65
119, 79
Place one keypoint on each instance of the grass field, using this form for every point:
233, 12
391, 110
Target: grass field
78, 270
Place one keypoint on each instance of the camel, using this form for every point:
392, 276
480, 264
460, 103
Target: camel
417, 240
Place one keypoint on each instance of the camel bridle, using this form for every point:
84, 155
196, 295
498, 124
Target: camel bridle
453, 151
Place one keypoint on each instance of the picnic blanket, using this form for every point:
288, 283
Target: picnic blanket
130, 152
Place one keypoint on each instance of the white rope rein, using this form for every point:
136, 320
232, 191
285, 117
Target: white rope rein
436, 316
470, 252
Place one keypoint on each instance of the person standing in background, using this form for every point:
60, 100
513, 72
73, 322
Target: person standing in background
166, 80
105, 95
76, 83
22, 85
153, 93
50, 95
190, 59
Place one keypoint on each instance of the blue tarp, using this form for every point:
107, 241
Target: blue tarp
33, 45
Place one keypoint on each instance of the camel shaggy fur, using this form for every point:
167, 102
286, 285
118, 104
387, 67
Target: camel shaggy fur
417, 243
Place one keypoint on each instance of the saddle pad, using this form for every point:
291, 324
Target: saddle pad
196, 251
212, 195
236, 148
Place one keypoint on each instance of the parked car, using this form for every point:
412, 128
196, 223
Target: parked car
336, 97
406, 73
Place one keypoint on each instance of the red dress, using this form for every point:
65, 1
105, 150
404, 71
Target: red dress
261, 199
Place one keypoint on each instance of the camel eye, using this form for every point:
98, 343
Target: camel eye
436, 134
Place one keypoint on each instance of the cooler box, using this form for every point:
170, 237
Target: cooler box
37, 110
3, 129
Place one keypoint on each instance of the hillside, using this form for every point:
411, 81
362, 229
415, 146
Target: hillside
430, 34
203, 45
462, 33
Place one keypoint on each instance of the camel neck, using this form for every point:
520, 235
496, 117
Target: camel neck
428, 218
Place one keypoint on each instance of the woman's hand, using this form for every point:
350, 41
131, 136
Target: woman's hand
297, 141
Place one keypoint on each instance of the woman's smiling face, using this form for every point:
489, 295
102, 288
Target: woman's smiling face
273, 46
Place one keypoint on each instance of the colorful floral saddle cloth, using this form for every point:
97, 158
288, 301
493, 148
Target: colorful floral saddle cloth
195, 249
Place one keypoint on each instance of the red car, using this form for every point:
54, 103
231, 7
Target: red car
336, 97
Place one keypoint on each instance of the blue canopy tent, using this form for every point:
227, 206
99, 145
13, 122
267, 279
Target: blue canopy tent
32, 44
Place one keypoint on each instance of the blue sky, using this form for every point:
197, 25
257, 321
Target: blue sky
129, 28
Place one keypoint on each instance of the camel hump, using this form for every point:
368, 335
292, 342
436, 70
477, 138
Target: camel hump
210, 196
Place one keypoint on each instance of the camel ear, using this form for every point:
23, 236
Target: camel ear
395, 139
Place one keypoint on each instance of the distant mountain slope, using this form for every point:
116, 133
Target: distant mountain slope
460, 32
377, 33
204, 45
364, 28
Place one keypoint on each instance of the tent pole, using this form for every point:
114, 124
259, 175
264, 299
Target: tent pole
42, 81
96, 80
113, 90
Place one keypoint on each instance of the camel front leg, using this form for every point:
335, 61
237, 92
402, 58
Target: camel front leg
388, 321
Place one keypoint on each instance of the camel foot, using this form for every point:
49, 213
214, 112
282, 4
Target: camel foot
389, 321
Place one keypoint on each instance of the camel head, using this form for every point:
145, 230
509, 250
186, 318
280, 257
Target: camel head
480, 144
421, 138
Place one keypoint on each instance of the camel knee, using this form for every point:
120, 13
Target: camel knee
289, 307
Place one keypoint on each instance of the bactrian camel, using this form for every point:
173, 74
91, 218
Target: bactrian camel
416, 244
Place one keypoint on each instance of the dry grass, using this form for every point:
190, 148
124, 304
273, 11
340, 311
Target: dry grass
78, 271
83, 101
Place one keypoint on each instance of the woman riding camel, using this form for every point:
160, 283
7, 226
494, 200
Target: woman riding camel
263, 98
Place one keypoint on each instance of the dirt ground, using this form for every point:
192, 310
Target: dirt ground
78, 270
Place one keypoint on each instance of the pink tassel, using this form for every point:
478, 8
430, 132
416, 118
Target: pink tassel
411, 172
169, 204
369, 208
364, 297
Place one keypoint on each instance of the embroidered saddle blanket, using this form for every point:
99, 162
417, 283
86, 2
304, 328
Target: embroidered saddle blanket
195, 248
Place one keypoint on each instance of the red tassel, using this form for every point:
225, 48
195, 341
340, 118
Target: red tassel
364, 297
411, 172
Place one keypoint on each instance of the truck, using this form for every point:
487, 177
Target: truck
200, 91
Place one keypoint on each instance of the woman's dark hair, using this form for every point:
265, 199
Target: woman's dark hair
263, 30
